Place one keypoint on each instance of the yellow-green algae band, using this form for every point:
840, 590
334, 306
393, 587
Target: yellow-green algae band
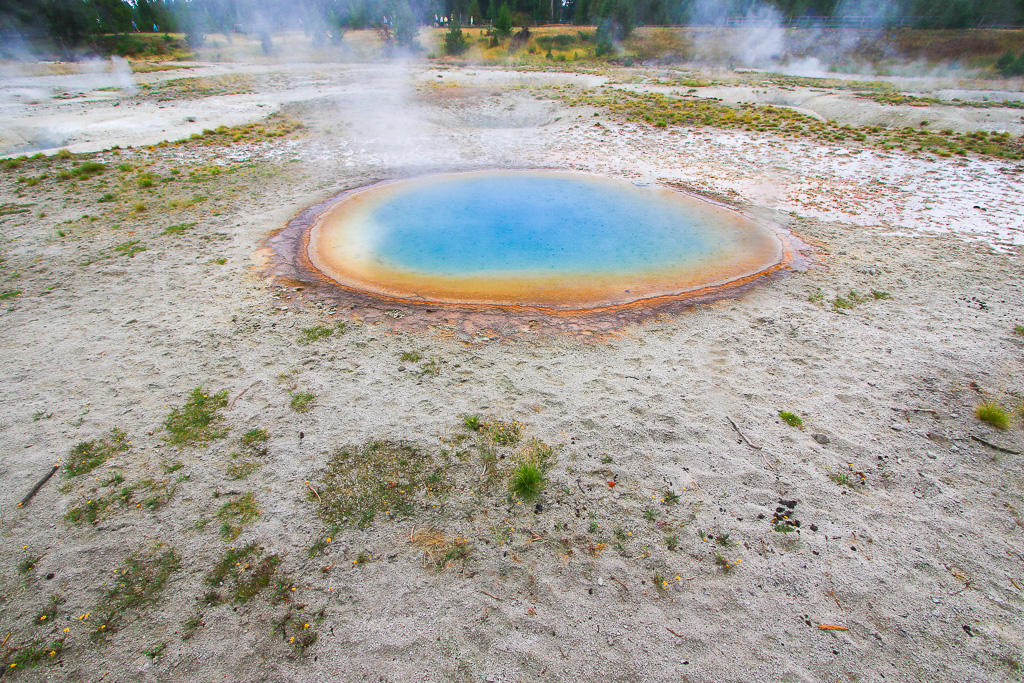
563, 241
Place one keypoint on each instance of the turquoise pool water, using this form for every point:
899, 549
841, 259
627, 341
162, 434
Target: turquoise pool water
535, 238
497, 223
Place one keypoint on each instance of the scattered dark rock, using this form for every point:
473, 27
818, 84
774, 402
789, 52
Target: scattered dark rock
821, 438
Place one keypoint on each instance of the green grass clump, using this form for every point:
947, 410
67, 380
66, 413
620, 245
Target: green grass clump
792, 419
318, 332
1018, 330
379, 477
89, 169
302, 401
994, 414
32, 654
240, 573
664, 110
28, 564
472, 422
411, 357
140, 583
89, 455
527, 480
254, 440
142, 579
178, 229
505, 433
130, 248
10, 294
235, 514
198, 421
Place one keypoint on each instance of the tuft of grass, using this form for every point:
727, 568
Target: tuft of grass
472, 422
242, 470
994, 414
10, 294
672, 542
527, 480
411, 357
302, 401
178, 229
88, 169
298, 632
191, 625
319, 546
239, 571
1018, 330
156, 651
198, 421
505, 433
650, 514
432, 368
140, 583
671, 497
235, 514
255, 441
130, 248
725, 565
88, 455
361, 482
32, 654
792, 419
318, 332
28, 564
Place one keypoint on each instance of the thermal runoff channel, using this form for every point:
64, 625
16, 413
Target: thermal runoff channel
526, 238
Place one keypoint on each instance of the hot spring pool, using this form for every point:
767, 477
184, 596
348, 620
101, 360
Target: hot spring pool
557, 240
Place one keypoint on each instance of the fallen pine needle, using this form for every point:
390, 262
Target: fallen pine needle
314, 493
6, 639
832, 627
1014, 583
230, 405
490, 596
618, 582
677, 635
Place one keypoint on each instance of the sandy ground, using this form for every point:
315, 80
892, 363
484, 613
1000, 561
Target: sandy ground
920, 556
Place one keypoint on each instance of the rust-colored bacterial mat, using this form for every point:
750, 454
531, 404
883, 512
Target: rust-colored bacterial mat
514, 250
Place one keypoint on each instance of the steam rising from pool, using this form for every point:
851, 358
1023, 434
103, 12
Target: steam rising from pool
562, 241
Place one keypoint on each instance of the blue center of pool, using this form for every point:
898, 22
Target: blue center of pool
508, 222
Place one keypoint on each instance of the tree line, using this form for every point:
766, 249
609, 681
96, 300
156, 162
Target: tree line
69, 23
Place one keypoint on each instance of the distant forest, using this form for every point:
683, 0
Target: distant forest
68, 23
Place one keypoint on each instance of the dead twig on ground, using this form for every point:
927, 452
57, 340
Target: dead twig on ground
742, 435
677, 635
992, 445
240, 395
907, 411
618, 582
490, 596
39, 485
832, 627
